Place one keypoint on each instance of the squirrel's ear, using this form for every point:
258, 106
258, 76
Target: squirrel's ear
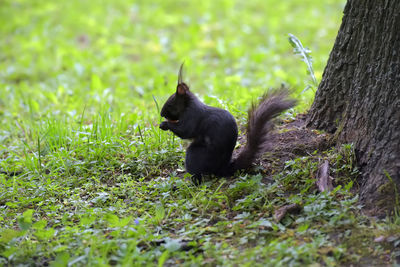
182, 89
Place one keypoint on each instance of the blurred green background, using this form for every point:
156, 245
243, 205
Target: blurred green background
59, 58
86, 176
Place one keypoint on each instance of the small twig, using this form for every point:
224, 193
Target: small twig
281, 212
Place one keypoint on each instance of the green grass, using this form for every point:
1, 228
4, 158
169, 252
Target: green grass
86, 176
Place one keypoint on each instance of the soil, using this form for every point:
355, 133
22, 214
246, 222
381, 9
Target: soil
288, 141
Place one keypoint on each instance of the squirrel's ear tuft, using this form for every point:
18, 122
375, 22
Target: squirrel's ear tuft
180, 80
182, 89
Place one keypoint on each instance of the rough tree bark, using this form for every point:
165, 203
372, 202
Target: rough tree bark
359, 96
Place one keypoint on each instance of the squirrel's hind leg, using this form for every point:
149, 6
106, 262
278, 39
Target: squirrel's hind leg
202, 160
197, 160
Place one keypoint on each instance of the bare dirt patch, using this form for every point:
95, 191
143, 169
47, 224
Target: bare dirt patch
289, 141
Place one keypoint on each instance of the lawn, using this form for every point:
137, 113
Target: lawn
88, 179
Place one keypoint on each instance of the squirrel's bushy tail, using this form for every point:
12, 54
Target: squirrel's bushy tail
259, 125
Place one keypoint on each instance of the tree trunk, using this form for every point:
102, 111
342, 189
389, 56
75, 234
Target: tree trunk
359, 96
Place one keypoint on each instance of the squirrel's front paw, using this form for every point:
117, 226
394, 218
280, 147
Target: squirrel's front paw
164, 126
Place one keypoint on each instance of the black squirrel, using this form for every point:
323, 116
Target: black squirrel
214, 130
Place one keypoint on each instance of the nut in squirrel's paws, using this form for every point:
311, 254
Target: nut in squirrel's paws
164, 124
